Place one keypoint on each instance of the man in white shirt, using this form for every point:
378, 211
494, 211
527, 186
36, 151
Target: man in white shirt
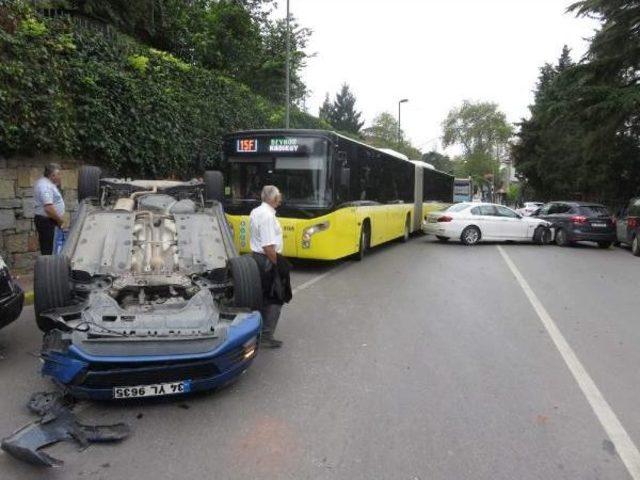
49, 207
266, 244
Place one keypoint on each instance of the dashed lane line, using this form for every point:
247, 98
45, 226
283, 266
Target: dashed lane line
317, 278
624, 445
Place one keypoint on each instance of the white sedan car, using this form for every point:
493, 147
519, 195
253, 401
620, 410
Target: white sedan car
475, 222
529, 208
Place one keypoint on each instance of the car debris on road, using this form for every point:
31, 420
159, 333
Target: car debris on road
57, 423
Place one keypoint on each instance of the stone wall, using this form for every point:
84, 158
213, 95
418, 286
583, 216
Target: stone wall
18, 239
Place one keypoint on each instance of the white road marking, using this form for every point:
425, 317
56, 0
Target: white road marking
316, 279
625, 447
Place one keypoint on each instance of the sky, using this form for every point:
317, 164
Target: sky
436, 53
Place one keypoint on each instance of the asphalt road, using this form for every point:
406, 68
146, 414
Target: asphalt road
425, 361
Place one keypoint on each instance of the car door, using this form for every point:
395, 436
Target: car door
622, 224
510, 224
485, 217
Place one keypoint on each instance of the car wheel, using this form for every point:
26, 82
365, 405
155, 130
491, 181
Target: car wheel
407, 231
604, 245
51, 287
365, 242
542, 236
247, 284
561, 238
442, 239
635, 247
89, 182
470, 235
213, 186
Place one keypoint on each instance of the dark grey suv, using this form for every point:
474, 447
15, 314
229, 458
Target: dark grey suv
579, 222
628, 226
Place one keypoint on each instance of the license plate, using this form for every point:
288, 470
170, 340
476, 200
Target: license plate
155, 390
599, 225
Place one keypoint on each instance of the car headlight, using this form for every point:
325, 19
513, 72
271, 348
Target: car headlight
309, 232
250, 348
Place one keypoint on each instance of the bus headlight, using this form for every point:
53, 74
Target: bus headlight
309, 232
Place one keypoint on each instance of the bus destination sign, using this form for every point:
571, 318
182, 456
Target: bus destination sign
247, 145
284, 145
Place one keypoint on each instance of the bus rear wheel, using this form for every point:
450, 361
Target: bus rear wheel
407, 230
365, 242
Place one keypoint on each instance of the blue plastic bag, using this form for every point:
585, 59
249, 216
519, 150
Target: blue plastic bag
59, 237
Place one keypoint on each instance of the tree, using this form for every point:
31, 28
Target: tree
342, 114
483, 133
583, 137
438, 160
547, 153
383, 133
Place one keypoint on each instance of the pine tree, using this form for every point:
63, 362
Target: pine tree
342, 114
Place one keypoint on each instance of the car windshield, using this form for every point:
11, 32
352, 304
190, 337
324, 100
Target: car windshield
594, 211
303, 180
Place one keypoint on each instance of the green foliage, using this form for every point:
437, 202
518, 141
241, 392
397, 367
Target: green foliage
583, 137
482, 131
342, 114
438, 160
383, 133
513, 193
236, 38
79, 91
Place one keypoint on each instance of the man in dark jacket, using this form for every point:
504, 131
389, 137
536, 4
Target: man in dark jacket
266, 245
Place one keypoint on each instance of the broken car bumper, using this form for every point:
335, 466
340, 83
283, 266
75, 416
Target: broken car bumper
84, 375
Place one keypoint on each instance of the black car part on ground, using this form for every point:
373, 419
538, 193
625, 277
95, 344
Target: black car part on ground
57, 422
11, 297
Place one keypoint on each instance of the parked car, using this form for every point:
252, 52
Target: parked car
473, 222
529, 208
628, 226
11, 296
148, 296
579, 221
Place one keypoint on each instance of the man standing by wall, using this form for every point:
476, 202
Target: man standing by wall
49, 207
266, 245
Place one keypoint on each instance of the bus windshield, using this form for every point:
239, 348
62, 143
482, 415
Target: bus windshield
303, 180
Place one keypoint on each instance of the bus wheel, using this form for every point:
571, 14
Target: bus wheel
407, 230
365, 241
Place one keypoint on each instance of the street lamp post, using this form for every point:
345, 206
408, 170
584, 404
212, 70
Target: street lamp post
287, 80
404, 100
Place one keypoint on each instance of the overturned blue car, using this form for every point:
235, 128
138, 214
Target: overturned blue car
149, 296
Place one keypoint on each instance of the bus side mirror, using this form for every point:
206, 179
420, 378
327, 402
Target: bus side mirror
345, 177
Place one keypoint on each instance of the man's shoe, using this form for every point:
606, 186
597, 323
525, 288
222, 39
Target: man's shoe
270, 342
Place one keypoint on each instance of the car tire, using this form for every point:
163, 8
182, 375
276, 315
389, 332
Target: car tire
364, 243
51, 288
541, 236
407, 231
442, 239
561, 238
470, 235
247, 284
604, 245
635, 247
89, 182
214, 185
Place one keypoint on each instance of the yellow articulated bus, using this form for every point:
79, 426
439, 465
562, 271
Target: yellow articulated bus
341, 197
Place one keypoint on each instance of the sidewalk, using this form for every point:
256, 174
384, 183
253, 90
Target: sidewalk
25, 280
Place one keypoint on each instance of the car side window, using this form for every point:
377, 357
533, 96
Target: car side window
475, 211
506, 212
634, 207
564, 209
487, 210
550, 209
